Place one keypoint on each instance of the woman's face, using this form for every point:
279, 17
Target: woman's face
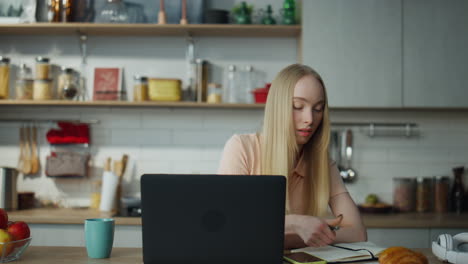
308, 106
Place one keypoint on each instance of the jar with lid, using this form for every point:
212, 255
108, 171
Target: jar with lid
140, 88
457, 194
424, 194
404, 195
67, 87
4, 77
441, 194
42, 89
215, 93
24, 83
42, 68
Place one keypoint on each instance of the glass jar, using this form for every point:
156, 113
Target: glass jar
42, 68
24, 89
424, 195
42, 89
67, 87
140, 88
114, 11
441, 193
4, 77
404, 194
24, 72
215, 93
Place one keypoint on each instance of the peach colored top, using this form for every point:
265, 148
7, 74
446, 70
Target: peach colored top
241, 155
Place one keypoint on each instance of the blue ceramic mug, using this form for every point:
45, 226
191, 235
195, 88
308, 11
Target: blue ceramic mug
99, 237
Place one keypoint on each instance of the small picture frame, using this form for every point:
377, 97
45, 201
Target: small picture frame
107, 84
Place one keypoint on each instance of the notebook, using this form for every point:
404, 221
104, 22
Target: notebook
344, 252
213, 219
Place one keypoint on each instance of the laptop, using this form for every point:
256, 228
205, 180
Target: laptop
211, 219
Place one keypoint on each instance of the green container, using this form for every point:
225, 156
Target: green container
99, 237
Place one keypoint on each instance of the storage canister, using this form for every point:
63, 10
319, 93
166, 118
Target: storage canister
42, 68
140, 88
164, 89
424, 194
404, 194
42, 89
8, 192
441, 194
4, 77
215, 93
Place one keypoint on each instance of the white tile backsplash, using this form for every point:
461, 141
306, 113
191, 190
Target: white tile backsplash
191, 141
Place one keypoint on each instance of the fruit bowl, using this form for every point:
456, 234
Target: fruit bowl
14, 249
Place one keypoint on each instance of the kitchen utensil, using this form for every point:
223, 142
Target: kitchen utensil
347, 173
110, 182
183, 20
161, 13
27, 152
8, 192
35, 163
21, 146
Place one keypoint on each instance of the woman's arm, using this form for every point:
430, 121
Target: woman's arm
351, 228
304, 230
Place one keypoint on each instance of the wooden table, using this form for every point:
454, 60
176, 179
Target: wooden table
77, 255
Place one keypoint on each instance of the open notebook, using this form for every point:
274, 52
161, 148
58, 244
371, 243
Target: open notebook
344, 252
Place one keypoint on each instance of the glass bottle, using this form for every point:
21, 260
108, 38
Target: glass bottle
268, 17
458, 192
42, 68
404, 194
53, 13
140, 88
231, 85
67, 87
248, 85
24, 83
289, 12
4, 77
114, 11
66, 11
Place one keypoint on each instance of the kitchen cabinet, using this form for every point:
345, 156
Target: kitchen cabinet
435, 53
356, 47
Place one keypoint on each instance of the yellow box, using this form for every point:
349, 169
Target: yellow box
164, 89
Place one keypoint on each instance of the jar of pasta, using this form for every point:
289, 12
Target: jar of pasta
423, 195
404, 195
42, 68
441, 194
24, 89
4, 77
42, 89
140, 88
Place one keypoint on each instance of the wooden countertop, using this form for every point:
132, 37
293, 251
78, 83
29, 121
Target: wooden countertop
76, 255
409, 220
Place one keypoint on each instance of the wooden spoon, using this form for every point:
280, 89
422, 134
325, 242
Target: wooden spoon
27, 153
21, 146
35, 162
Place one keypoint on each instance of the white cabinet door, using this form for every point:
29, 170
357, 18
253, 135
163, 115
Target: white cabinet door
435, 53
403, 237
356, 47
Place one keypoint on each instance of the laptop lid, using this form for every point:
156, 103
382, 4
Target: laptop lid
213, 218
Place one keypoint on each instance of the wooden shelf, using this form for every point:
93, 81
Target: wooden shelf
126, 104
225, 30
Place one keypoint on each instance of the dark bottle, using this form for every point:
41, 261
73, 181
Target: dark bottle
458, 190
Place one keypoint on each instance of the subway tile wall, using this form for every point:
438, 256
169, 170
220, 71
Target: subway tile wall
176, 140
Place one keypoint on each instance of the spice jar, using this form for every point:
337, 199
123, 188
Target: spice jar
215, 93
24, 89
4, 77
140, 88
423, 195
42, 68
441, 193
404, 194
42, 90
67, 87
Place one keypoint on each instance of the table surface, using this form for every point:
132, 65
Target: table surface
77, 255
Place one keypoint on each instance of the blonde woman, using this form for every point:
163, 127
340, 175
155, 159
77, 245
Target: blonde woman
294, 143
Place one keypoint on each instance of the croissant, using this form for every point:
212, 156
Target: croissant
401, 255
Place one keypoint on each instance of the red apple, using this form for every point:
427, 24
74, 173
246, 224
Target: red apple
19, 230
5, 237
3, 219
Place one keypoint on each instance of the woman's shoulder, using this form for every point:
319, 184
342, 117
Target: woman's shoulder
247, 142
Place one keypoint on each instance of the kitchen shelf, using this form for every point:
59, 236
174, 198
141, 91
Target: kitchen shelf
126, 104
226, 30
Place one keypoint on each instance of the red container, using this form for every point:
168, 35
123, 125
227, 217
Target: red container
261, 94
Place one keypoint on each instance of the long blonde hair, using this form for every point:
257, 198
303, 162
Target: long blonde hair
279, 149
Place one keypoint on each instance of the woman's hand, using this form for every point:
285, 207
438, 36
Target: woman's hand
314, 231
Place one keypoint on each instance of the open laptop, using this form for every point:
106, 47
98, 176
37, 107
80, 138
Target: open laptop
209, 219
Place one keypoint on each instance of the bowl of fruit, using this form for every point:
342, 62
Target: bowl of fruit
14, 238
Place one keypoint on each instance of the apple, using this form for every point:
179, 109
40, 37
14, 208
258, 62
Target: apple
3, 219
19, 230
5, 237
